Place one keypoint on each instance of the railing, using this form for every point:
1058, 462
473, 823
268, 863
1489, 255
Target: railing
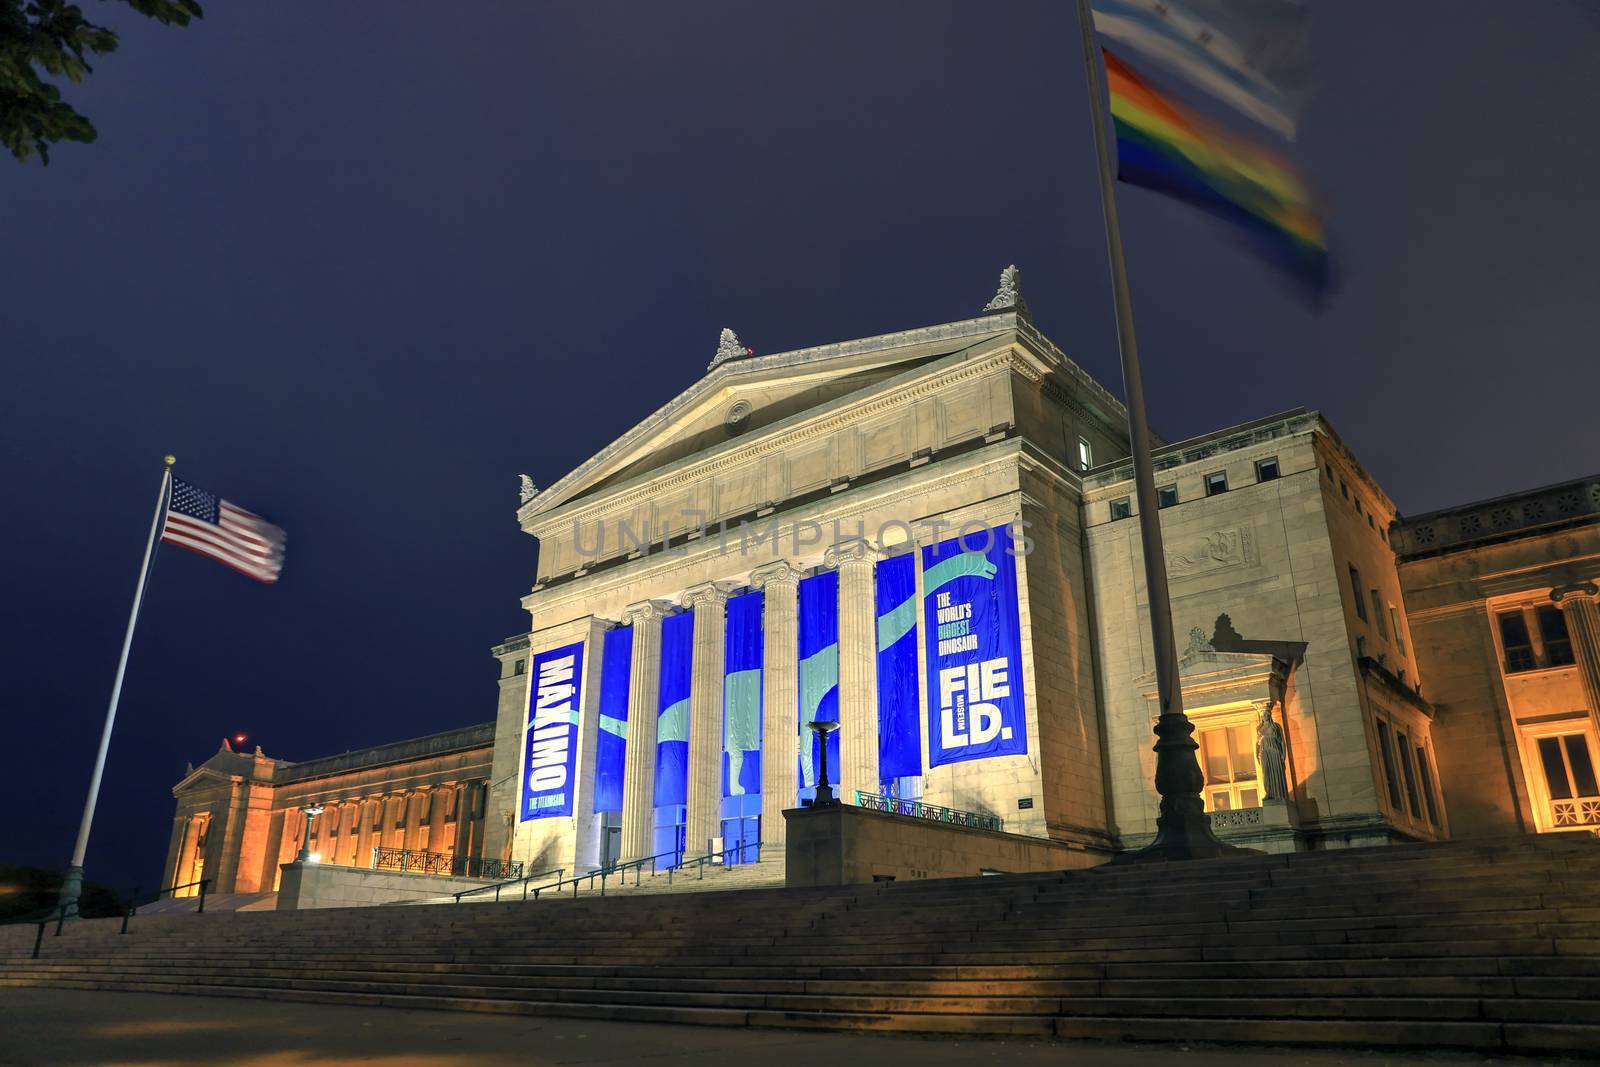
916, 809
620, 871
59, 915
523, 882
408, 860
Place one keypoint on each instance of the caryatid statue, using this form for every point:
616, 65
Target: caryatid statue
1270, 750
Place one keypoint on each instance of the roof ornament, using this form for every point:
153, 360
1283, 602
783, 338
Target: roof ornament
1009, 296
729, 347
526, 490
1198, 642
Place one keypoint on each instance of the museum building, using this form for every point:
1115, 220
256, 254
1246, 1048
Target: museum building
925, 543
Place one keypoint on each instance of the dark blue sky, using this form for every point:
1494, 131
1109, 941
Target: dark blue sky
358, 272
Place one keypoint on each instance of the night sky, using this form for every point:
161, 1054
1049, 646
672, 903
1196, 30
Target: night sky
358, 273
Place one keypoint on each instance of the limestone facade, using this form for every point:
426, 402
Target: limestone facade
1347, 676
1503, 605
240, 815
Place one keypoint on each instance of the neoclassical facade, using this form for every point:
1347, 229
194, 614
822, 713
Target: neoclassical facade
926, 543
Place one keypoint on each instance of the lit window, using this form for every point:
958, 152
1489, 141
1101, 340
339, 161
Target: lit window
1399, 634
1121, 508
1377, 615
1568, 767
1216, 483
1167, 495
1517, 643
1085, 454
1557, 642
1266, 469
1227, 753
1355, 586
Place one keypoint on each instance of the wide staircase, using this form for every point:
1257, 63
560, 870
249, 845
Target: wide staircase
1487, 945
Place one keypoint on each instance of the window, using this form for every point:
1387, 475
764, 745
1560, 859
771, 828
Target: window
1516, 642
1377, 615
1227, 754
1166, 495
1387, 756
1403, 752
1355, 585
521, 667
1344, 489
1216, 483
1394, 625
1568, 767
450, 807
1425, 772
1553, 631
1358, 505
1085, 454
400, 814
1266, 469
1121, 508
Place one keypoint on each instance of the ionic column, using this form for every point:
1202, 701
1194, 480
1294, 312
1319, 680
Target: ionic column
703, 820
780, 698
858, 667
1579, 607
639, 763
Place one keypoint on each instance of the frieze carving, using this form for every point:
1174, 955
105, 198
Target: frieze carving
1218, 550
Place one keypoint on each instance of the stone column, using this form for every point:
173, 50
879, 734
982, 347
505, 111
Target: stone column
780, 698
639, 764
703, 820
858, 668
364, 827
183, 873
1579, 607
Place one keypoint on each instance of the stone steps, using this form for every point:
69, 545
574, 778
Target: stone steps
1490, 945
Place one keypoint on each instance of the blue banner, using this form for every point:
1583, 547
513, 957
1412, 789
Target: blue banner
819, 674
899, 734
616, 663
672, 724
974, 643
552, 745
741, 698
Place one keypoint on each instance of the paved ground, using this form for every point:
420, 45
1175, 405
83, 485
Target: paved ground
46, 1026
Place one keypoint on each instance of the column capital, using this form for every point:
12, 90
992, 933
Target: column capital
850, 552
708, 593
1575, 591
779, 574
645, 611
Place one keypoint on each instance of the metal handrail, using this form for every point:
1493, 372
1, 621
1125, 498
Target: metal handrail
523, 882
407, 860
58, 914
932, 812
604, 874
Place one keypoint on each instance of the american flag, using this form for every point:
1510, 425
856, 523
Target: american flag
203, 523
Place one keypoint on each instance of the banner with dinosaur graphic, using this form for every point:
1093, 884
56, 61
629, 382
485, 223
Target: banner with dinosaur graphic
973, 636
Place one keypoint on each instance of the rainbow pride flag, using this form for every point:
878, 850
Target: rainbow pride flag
1165, 146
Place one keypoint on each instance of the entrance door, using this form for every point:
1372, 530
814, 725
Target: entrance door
741, 838
669, 834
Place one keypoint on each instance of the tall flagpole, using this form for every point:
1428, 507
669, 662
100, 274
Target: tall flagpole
72, 886
1183, 830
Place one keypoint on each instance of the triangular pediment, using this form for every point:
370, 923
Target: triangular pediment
743, 396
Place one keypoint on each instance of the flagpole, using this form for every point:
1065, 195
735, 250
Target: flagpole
1183, 830
72, 885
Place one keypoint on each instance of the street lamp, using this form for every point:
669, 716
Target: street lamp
312, 811
825, 797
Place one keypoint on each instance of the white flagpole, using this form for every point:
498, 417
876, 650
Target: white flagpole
72, 886
1183, 828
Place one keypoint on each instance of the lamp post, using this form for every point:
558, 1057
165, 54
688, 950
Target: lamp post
825, 797
312, 811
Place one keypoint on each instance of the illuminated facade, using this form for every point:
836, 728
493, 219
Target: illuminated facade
929, 539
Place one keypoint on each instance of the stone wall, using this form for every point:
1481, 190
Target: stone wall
326, 885
843, 844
